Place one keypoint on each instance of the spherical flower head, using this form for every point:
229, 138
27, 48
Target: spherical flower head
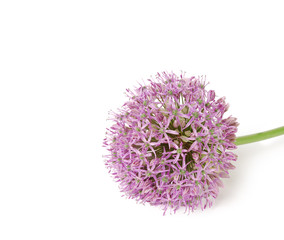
170, 144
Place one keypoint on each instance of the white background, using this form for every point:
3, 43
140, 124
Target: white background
65, 64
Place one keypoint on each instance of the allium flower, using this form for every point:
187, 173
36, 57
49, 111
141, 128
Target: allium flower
170, 144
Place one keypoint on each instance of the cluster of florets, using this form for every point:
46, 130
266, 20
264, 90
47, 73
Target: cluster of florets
170, 144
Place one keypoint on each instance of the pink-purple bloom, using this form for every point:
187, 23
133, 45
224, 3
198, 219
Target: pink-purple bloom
170, 144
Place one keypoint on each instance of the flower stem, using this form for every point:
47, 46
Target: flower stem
260, 136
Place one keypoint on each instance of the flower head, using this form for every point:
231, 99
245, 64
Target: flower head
170, 143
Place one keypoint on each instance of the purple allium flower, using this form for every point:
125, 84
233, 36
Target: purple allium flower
170, 144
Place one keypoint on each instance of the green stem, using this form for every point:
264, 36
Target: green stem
260, 136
